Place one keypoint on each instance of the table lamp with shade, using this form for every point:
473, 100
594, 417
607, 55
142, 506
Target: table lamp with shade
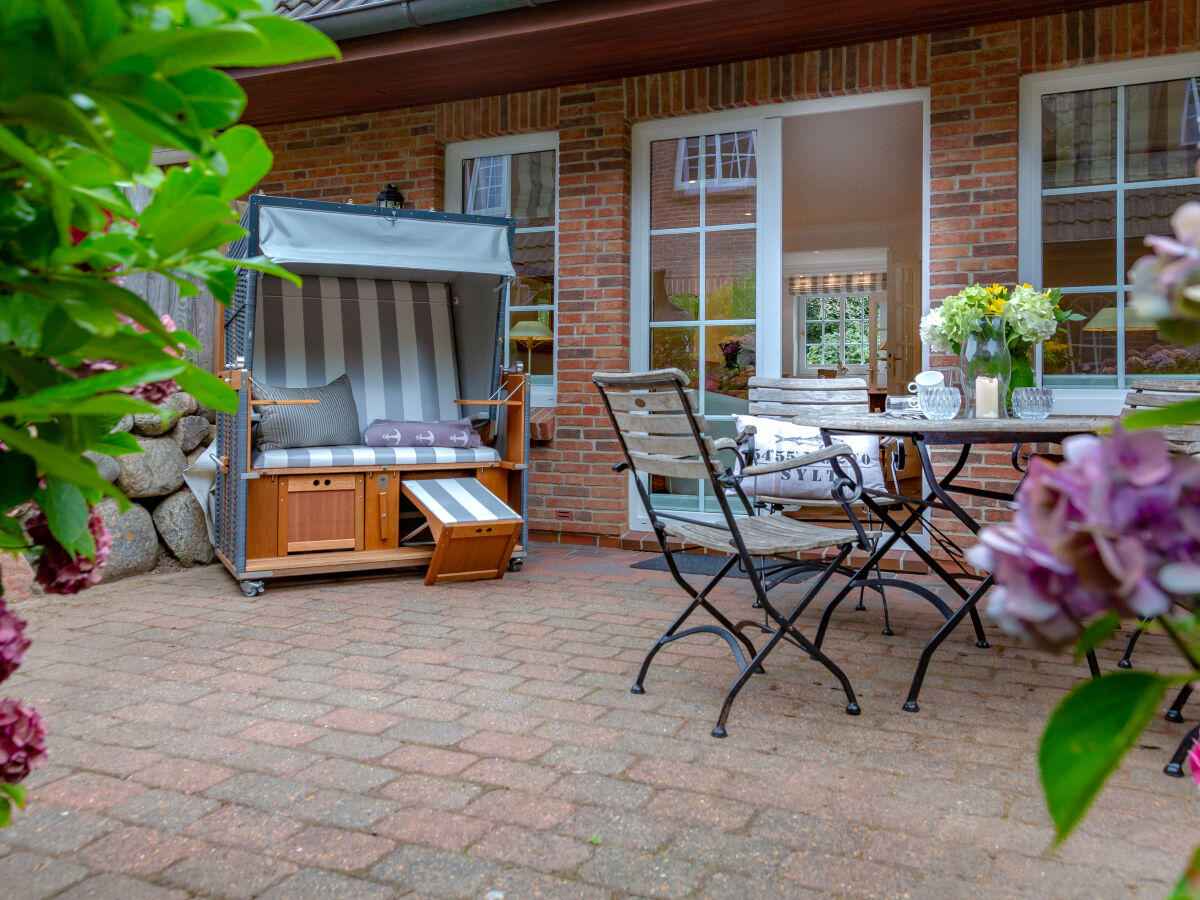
529, 333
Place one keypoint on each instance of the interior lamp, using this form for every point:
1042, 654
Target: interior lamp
529, 333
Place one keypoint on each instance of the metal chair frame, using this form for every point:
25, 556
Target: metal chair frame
689, 452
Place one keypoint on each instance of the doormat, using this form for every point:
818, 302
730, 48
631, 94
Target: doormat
704, 564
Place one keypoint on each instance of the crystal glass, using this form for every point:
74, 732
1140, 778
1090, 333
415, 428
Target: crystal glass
986, 367
941, 403
901, 405
1032, 402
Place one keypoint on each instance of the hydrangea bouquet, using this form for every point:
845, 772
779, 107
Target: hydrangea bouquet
1030, 316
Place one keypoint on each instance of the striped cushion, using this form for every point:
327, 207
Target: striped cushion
394, 339
455, 500
308, 457
332, 420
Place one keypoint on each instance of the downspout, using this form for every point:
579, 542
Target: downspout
395, 15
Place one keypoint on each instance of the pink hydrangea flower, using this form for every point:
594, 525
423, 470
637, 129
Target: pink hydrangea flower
22, 740
13, 642
58, 571
1194, 761
1103, 531
156, 392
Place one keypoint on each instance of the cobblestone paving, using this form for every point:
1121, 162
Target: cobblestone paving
379, 738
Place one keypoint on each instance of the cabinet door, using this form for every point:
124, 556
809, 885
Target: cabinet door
320, 512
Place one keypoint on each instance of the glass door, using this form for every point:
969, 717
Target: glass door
703, 285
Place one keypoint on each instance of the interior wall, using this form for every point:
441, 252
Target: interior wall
852, 179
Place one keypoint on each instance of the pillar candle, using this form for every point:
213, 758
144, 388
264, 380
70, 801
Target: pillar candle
987, 397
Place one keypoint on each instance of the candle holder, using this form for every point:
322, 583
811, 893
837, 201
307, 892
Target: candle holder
986, 368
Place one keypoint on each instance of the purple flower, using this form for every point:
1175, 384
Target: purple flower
1115, 527
22, 740
1194, 761
57, 570
13, 642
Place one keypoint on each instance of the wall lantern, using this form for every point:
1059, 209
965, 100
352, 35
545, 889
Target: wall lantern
389, 198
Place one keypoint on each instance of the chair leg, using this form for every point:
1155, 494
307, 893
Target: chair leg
1175, 767
1133, 639
1175, 713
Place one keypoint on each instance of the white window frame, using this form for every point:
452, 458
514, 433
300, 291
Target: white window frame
1029, 243
459, 152
767, 122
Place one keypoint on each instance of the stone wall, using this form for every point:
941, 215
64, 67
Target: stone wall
165, 521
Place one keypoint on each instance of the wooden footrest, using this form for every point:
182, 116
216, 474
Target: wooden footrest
474, 530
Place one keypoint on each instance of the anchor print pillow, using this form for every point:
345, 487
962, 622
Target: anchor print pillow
776, 440
456, 433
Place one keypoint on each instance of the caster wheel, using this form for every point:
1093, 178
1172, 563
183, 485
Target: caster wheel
1175, 770
719, 732
853, 709
252, 588
637, 689
911, 706
1124, 664
514, 565
1174, 715
982, 645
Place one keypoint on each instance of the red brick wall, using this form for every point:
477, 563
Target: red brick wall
972, 76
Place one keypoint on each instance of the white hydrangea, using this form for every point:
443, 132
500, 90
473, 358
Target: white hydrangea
1030, 313
933, 331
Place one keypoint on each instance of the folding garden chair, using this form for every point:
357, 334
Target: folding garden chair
661, 434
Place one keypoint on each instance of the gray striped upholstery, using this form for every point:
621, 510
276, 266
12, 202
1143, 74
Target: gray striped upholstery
310, 457
333, 420
394, 339
455, 500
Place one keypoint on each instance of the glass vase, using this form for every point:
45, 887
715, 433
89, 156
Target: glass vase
986, 368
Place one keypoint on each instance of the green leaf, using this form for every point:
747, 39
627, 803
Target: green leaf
289, 41
54, 460
208, 389
216, 99
1097, 633
1088, 734
1188, 887
18, 479
12, 535
1184, 413
62, 395
16, 792
247, 157
116, 443
5, 812
67, 515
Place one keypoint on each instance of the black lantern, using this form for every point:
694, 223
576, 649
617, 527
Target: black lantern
389, 198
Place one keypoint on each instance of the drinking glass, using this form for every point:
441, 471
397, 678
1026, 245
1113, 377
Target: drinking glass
899, 406
1032, 402
941, 403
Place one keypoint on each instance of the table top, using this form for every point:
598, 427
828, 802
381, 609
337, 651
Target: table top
960, 430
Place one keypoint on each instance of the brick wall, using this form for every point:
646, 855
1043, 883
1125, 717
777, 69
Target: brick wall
972, 76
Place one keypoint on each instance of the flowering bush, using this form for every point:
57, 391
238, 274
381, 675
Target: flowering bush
1031, 316
1116, 527
22, 741
13, 642
59, 571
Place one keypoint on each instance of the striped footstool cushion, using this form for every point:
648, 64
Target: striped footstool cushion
457, 500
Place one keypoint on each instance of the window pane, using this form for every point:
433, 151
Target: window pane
674, 277
1148, 211
1148, 354
532, 189
1161, 130
1079, 245
729, 260
533, 258
676, 348
730, 190
729, 363
674, 184
534, 345
483, 186
1087, 347
1079, 138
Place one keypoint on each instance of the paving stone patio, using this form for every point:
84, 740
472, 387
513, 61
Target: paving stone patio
379, 738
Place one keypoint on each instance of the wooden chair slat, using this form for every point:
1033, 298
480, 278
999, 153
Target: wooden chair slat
809, 384
662, 423
670, 466
787, 410
650, 401
1147, 399
808, 398
684, 445
1183, 385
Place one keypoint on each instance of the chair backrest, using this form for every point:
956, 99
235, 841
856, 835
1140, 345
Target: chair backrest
657, 426
1154, 393
395, 339
786, 397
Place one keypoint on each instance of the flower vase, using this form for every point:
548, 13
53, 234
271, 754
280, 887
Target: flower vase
986, 368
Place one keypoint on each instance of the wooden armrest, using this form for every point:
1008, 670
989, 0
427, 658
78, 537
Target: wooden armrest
304, 402
489, 402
